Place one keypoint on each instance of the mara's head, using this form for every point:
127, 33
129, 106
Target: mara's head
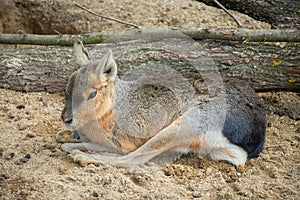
90, 92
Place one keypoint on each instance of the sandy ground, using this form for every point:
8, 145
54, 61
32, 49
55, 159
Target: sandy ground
32, 165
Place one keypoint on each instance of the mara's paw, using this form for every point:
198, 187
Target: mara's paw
73, 147
67, 136
232, 154
83, 159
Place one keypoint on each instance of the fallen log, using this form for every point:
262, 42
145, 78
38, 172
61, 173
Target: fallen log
279, 13
268, 66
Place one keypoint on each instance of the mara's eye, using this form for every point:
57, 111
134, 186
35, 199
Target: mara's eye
92, 95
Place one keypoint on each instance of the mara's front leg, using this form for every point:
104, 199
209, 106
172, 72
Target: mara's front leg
73, 144
170, 138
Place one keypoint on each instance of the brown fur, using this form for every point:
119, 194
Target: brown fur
105, 120
196, 144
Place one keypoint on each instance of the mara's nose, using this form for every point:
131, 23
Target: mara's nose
66, 118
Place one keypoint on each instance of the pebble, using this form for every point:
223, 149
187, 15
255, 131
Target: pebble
4, 177
30, 135
10, 116
24, 160
95, 194
27, 156
168, 173
20, 106
196, 195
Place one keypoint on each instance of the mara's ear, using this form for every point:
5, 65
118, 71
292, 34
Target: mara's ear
107, 67
81, 55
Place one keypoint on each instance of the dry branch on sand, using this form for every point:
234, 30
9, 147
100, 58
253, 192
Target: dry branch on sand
245, 35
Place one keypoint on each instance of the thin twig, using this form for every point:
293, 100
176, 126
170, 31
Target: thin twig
57, 32
106, 17
229, 13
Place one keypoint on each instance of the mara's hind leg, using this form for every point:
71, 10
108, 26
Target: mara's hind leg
230, 153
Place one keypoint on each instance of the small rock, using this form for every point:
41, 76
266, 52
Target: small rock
229, 180
121, 190
24, 160
10, 116
27, 156
20, 106
4, 177
30, 135
168, 173
12, 154
95, 194
196, 195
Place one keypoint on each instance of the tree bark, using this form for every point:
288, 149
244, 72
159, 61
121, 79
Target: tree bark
244, 35
269, 67
278, 13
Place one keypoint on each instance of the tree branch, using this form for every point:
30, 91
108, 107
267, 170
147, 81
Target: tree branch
244, 35
106, 17
229, 13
